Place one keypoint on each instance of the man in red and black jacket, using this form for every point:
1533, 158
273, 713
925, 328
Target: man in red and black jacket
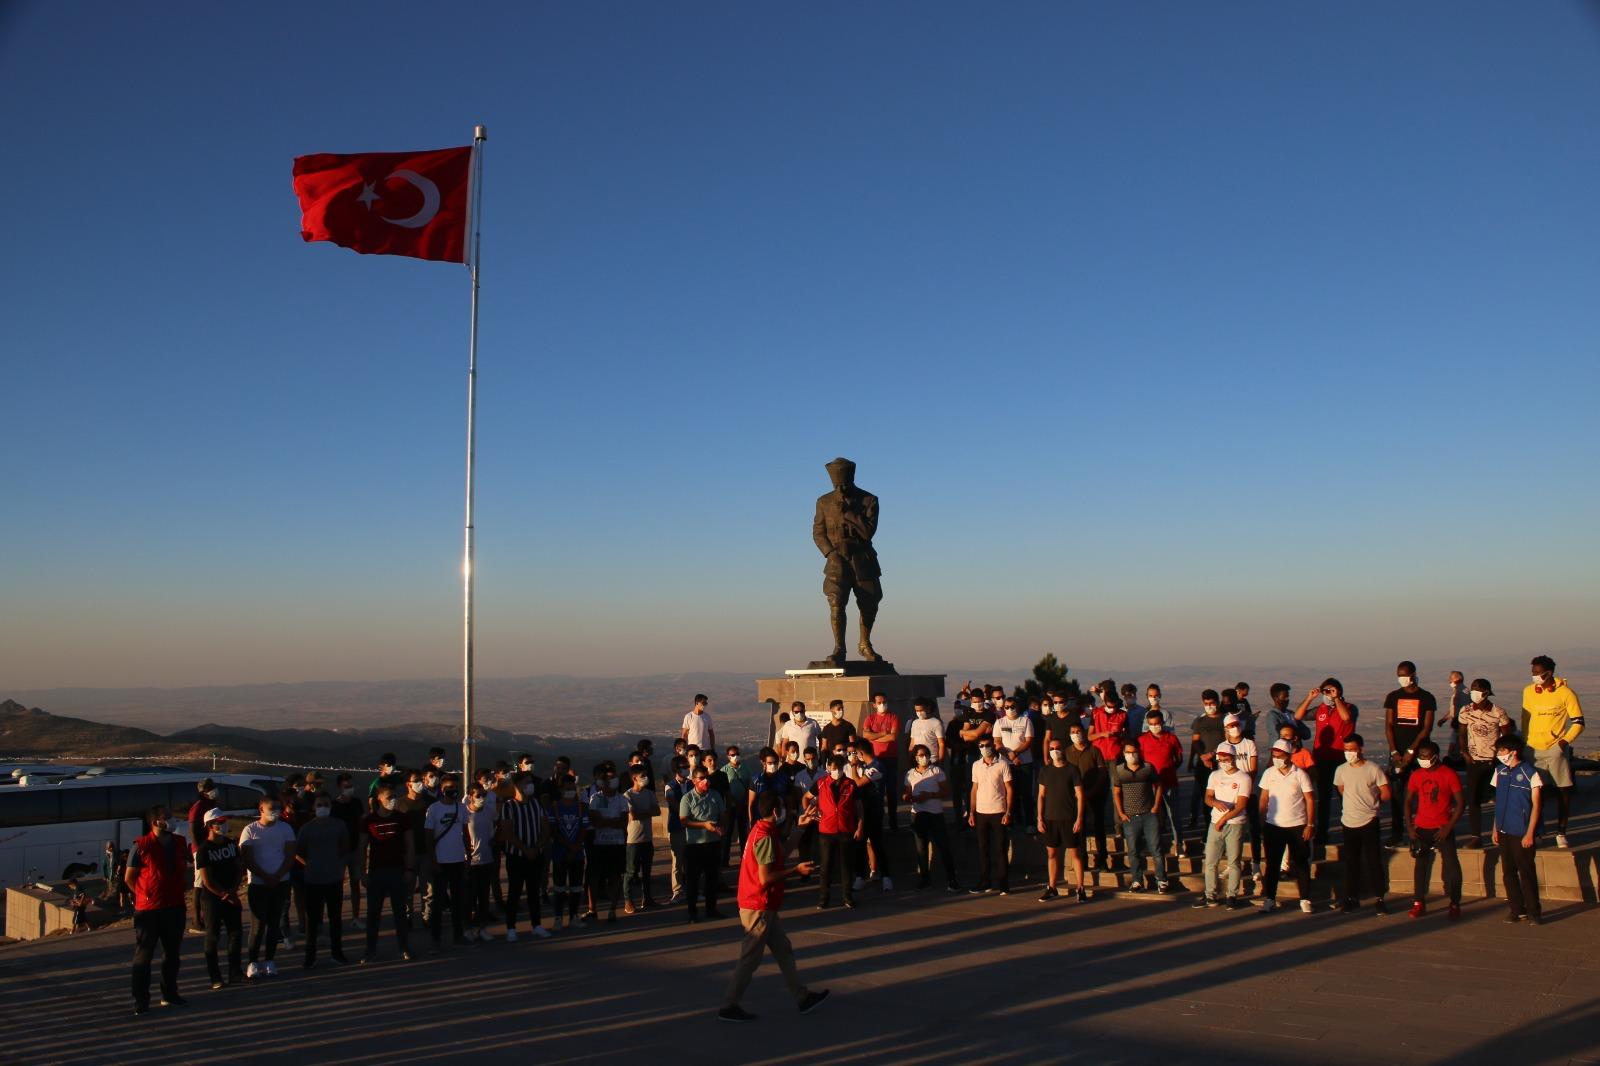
197, 836
838, 828
158, 873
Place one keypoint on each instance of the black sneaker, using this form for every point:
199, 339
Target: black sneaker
1005, 890
978, 889
1166, 888
735, 1013
1513, 919
1235, 903
140, 1008
1380, 908
1394, 843
1350, 907
954, 887
849, 904
1048, 895
812, 1001
1203, 902
1083, 895
173, 1001
1136, 886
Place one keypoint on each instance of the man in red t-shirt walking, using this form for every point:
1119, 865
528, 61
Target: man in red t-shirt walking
761, 878
1433, 805
158, 872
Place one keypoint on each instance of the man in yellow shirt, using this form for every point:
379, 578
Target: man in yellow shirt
1551, 720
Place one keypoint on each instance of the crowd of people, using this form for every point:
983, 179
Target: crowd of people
1067, 770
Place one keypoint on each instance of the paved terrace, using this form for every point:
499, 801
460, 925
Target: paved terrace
915, 977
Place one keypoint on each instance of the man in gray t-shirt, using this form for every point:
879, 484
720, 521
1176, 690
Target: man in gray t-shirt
1363, 790
1136, 792
324, 843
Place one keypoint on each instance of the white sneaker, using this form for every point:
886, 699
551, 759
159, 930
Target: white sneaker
288, 942
511, 936
858, 884
541, 932
888, 884
1561, 841
357, 923
251, 972
1305, 906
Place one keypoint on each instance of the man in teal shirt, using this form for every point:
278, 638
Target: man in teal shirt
701, 811
738, 776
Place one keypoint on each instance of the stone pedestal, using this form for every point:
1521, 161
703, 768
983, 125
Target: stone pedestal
854, 683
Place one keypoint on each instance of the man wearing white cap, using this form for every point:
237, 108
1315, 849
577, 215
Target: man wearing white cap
1228, 792
1245, 759
217, 858
1287, 808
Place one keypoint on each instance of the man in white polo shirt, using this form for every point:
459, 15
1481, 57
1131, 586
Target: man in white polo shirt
697, 728
1287, 808
800, 729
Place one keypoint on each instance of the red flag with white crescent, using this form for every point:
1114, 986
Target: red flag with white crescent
388, 203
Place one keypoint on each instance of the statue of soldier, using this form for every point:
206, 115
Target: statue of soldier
843, 527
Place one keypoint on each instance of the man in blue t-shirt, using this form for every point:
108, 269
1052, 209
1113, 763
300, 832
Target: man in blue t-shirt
1516, 823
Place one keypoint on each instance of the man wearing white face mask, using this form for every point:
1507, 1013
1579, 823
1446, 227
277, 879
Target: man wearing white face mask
926, 790
267, 846
990, 804
204, 802
839, 733
158, 870
1408, 714
322, 844
1518, 798
391, 860
926, 729
1287, 807
1228, 792
1363, 790
1552, 719
799, 729
1479, 725
1433, 805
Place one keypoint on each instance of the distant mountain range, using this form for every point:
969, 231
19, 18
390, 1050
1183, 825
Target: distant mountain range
351, 722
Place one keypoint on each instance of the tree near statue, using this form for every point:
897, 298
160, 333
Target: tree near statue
1050, 674
845, 522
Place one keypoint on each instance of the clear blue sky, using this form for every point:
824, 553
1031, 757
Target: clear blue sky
1166, 332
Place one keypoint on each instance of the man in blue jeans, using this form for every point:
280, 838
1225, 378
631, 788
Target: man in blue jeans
1137, 792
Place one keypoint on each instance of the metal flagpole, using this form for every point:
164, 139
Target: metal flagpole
475, 258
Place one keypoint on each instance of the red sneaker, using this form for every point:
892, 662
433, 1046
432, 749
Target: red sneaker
1455, 911
1418, 909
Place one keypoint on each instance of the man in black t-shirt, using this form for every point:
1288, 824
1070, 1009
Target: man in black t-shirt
1061, 803
1208, 733
217, 858
838, 734
1408, 714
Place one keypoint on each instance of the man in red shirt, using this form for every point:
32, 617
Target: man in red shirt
838, 828
761, 878
158, 873
882, 727
1164, 752
1433, 804
1108, 728
1335, 720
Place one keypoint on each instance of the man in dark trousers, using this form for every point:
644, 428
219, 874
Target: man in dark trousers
158, 873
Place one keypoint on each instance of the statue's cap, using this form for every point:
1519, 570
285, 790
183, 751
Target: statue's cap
842, 465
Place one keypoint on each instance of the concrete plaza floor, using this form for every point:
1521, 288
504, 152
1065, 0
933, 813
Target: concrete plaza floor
914, 977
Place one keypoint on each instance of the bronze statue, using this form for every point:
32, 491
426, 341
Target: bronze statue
846, 519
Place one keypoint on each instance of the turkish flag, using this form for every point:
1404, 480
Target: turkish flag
387, 203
